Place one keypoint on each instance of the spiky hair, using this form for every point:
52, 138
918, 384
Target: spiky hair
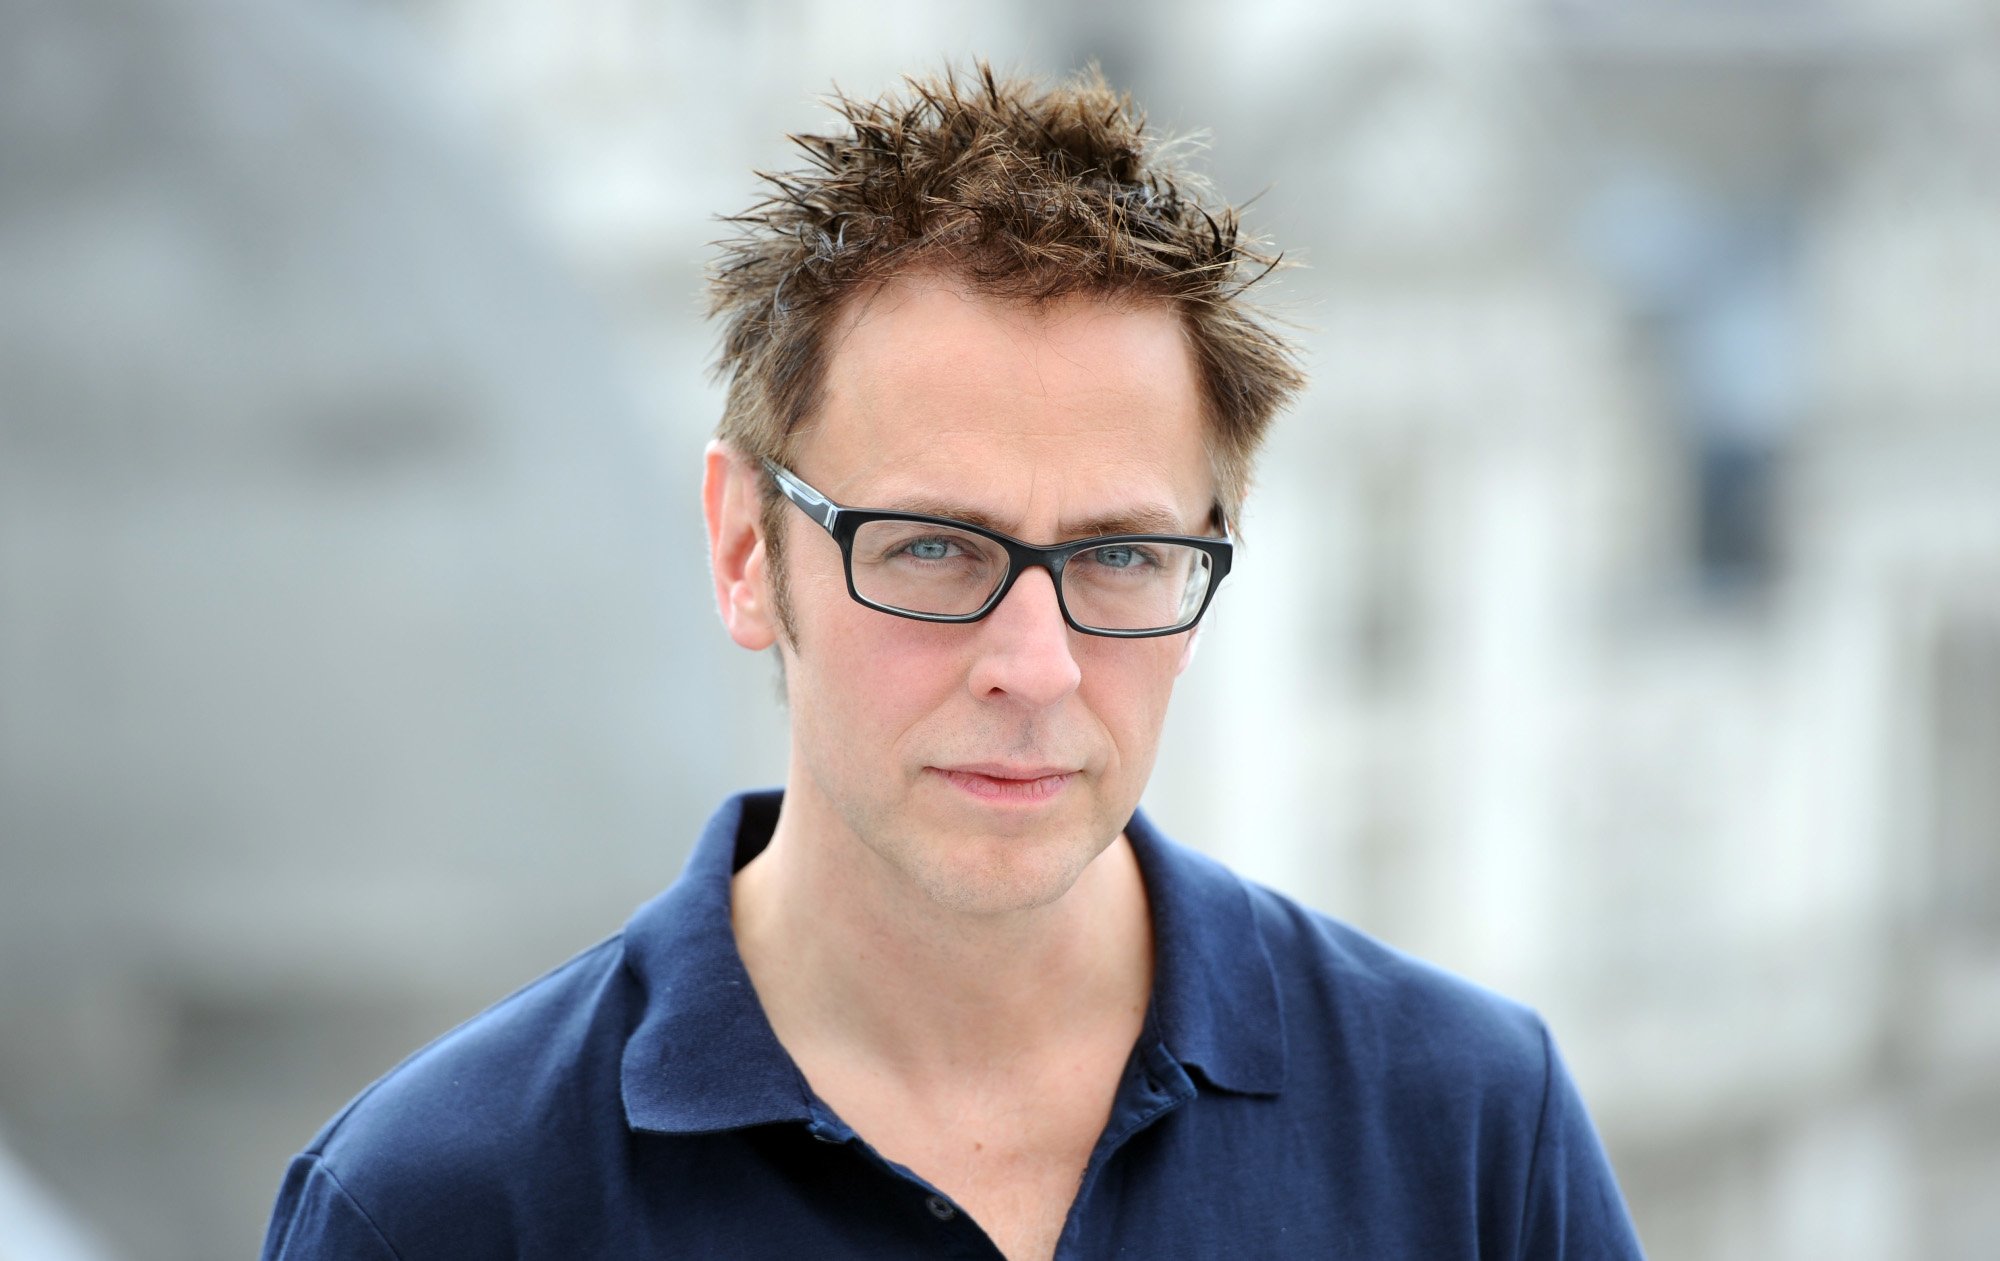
1019, 190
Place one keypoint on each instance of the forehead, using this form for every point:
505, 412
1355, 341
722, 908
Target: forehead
1072, 406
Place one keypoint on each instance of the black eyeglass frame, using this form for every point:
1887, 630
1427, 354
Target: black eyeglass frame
842, 522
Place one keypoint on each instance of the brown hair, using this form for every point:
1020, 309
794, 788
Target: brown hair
1023, 192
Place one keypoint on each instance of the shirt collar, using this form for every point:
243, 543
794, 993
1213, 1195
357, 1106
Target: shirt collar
1215, 993
703, 1057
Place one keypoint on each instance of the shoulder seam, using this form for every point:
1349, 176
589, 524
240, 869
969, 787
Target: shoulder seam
1541, 1133
319, 1164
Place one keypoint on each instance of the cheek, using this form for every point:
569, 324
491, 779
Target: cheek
1128, 683
879, 673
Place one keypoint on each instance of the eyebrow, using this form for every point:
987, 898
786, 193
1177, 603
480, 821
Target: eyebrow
1141, 520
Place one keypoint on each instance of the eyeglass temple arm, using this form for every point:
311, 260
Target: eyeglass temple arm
810, 501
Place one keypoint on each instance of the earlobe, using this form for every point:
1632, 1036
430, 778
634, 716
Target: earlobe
736, 556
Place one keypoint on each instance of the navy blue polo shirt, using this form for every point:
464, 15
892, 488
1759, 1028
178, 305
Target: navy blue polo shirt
1299, 1090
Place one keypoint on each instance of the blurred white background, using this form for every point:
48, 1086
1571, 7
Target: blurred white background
1619, 623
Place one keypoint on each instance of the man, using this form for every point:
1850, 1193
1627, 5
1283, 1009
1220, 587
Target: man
993, 397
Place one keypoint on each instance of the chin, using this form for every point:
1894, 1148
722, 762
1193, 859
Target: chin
1003, 874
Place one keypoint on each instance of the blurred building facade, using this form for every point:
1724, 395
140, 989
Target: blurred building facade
1618, 624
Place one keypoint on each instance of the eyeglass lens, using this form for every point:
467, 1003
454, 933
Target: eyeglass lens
920, 567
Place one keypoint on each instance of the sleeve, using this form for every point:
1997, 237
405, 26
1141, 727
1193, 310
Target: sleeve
316, 1218
1574, 1209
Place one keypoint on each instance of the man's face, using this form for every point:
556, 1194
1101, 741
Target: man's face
986, 764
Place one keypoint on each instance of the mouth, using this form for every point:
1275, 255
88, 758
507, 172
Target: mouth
998, 783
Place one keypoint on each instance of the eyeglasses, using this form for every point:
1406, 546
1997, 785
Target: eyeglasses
934, 569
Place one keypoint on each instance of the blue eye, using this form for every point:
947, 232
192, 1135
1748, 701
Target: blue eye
928, 549
1118, 557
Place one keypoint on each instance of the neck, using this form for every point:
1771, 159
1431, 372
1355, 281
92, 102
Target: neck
850, 958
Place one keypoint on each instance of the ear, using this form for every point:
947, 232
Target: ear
734, 509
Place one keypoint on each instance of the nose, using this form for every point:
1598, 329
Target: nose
1024, 647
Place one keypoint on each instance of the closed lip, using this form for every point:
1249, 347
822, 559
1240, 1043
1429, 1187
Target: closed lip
1000, 770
